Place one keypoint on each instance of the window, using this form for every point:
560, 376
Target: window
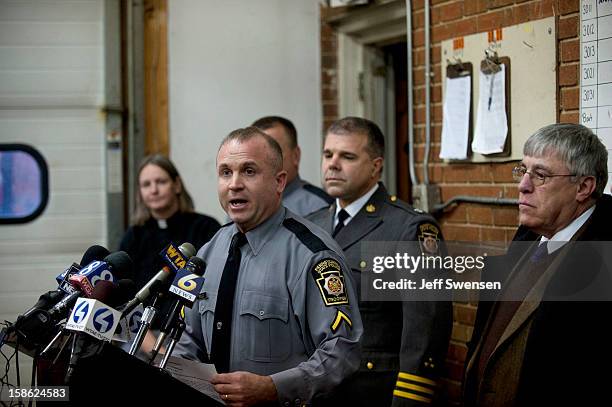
24, 187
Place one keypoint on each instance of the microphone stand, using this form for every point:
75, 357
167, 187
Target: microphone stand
177, 331
144, 324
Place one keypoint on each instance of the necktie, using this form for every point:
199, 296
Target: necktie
342, 215
540, 253
222, 326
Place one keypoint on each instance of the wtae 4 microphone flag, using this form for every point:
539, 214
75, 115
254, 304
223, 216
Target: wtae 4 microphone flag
128, 326
187, 285
94, 318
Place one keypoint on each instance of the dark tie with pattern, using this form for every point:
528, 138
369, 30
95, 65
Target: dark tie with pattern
540, 253
342, 215
222, 327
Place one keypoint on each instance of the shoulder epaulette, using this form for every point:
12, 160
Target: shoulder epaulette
310, 240
319, 192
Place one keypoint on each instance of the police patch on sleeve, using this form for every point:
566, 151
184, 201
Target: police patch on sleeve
328, 275
429, 238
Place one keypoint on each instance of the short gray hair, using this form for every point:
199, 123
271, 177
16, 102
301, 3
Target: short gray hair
248, 133
581, 151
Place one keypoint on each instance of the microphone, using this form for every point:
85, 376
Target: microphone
94, 252
186, 286
40, 321
163, 276
49, 299
94, 273
96, 317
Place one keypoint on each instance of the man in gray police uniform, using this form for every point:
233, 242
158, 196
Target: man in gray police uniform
404, 344
294, 322
299, 196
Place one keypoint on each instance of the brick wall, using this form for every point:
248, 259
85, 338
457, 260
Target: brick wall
451, 19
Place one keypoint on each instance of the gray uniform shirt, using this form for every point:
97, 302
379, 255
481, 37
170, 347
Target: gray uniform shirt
303, 198
295, 316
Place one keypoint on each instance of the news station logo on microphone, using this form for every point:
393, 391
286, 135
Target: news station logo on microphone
187, 285
94, 318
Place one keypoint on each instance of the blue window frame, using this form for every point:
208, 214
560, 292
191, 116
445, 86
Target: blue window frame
24, 183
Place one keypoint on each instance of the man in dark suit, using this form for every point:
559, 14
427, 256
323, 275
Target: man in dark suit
544, 341
404, 344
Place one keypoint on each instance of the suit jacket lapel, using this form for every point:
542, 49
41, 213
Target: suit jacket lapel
364, 222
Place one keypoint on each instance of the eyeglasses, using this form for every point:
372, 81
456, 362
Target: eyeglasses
536, 177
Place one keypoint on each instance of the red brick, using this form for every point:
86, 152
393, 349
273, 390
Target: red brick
524, 13
452, 11
436, 114
435, 173
330, 110
450, 191
458, 214
569, 117
474, 7
329, 46
454, 370
327, 31
464, 314
466, 173
494, 236
436, 54
418, 76
547, 8
463, 27
329, 94
568, 75
493, 4
568, 6
329, 61
480, 214
568, 27
461, 332
436, 94
511, 191
503, 172
328, 77
463, 233
457, 351
440, 32
418, 20
493, 20
570, 50
418, 38
506, 216
570, 98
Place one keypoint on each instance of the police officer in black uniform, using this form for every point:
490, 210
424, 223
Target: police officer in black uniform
404, 344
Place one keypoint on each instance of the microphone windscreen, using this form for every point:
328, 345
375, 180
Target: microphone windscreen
187, 250
121, 265
103, 291
127, 291
197, 265
94, 253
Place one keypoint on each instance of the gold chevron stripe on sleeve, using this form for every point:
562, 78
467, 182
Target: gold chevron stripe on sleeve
340, 316
412, 396
414, 387
415, 378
